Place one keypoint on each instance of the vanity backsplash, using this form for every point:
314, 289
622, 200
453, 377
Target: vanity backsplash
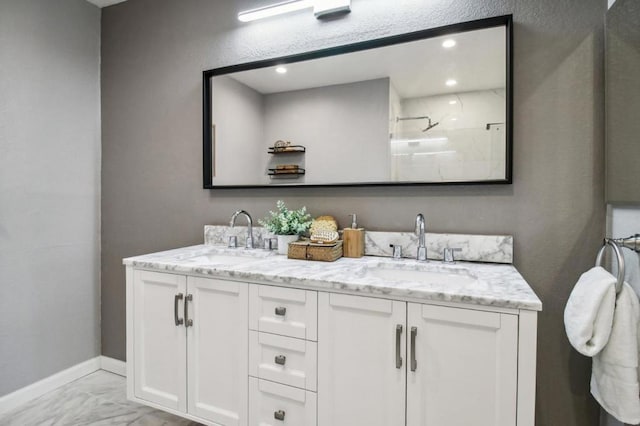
474, 248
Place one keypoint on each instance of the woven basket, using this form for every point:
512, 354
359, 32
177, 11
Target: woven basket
304, 250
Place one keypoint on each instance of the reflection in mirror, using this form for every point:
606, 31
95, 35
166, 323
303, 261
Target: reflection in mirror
623, 101
429, 110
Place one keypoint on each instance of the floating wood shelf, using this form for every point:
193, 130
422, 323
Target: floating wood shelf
291, 149
286, 173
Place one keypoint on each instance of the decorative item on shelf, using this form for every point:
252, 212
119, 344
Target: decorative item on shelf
286, 224
285, 147
306, 250
324, 237
287, 167
286, 173
353, 239
323, 223
324, 230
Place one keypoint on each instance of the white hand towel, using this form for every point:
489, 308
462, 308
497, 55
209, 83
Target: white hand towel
632, 269
614, 376
588, 315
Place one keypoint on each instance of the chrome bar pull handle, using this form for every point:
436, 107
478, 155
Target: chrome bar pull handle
281, 311
279, 415
398, 338
280, 359
187, 322
414, 363
177, 298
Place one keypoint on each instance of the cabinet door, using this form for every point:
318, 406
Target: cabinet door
218, 350
465, 370
361, 361
159, 343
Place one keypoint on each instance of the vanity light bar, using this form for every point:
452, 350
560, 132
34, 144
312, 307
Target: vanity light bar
321, 9
274, 9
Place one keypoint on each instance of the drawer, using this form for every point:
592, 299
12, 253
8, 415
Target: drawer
285, 311
273, 404
284, 360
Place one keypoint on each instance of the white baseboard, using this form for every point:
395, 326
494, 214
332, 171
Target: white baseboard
39, 388
113, 365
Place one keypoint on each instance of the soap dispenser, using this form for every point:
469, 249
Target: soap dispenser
353, 239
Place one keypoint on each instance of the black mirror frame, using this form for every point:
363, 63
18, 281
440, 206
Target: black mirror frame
498, 21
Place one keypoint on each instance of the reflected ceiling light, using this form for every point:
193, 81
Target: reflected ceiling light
274, 9
449, 43
454, 119
281, 70
451, 82
453, 102
321, 9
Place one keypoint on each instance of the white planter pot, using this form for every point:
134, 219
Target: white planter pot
283, 242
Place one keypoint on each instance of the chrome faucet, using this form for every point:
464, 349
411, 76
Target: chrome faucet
249, 243
422, 249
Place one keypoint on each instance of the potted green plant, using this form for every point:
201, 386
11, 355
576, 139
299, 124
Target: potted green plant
286, 224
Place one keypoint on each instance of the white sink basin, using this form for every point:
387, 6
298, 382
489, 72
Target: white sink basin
423, 275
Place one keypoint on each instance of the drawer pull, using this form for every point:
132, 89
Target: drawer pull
281, 359
281, 311
279, 415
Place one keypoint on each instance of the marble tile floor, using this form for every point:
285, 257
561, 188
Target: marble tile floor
99, 398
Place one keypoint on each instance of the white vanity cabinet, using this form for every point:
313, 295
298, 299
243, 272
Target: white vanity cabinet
461, 366
233, 353
361, 361
188, 339
450, 366
159, 344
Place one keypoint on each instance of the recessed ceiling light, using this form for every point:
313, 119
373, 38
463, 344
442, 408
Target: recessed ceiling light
453, 102
449, 43
451, 82
281, 70
454, 119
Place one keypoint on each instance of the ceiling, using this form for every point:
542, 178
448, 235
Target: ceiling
105, 3
419, 68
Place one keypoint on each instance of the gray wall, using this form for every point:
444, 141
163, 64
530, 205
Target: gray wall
154, 52
238, 116
49, 188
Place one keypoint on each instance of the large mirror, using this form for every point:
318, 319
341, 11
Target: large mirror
430, 107
623, 101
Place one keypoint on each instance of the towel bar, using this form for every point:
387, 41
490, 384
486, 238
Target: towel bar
608, 242
632, 242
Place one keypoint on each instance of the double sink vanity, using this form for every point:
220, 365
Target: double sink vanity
234, 336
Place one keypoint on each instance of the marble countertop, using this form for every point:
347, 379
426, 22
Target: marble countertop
496, 285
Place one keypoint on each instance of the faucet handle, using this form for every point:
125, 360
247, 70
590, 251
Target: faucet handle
397, 251
233, 241
448, 255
